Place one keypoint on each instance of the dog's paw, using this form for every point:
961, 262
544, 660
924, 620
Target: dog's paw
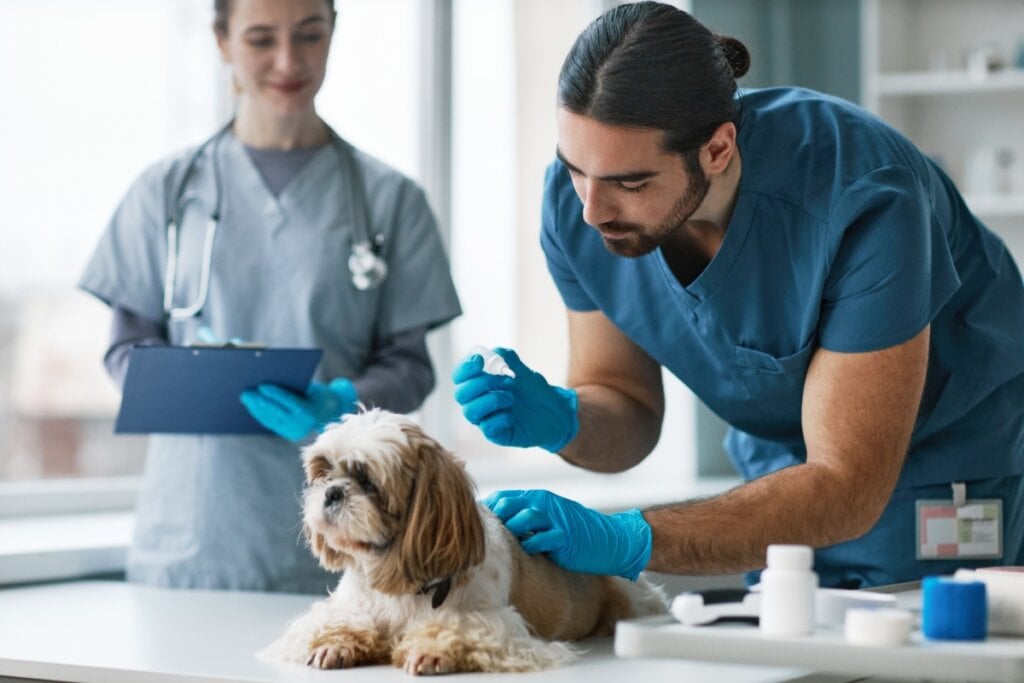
428, 664
330, 657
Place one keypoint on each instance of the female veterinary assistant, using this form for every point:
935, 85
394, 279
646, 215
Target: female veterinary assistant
812, 276
292, 201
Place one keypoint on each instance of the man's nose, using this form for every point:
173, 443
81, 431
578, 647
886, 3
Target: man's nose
334, 494
597, 209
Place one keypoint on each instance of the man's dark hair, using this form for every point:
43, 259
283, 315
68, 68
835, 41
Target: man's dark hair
651, 65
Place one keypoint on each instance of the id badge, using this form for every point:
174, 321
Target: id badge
960, 528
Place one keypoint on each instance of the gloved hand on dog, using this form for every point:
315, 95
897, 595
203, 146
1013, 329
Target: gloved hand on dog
521, 411
575, 537
295, 416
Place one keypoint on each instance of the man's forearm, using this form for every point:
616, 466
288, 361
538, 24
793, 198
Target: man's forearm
615, 433
807, 504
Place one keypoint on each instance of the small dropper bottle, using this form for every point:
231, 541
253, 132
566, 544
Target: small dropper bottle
494, 364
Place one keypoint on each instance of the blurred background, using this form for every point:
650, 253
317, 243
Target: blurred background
458, 94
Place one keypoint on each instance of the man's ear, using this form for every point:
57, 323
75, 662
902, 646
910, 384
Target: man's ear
717, 152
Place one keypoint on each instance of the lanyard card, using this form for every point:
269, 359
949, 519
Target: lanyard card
972, 530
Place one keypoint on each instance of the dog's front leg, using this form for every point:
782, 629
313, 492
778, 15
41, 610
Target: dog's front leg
431, 648
489, 640
329, 638
344, 646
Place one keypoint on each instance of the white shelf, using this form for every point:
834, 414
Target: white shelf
996, 205
913, 83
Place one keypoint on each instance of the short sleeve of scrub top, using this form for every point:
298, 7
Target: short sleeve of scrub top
127, 266
556, 195
418, 291
892, 270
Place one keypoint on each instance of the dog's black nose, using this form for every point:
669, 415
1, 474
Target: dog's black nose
333, 495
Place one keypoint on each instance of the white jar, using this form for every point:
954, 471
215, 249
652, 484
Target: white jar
788, 586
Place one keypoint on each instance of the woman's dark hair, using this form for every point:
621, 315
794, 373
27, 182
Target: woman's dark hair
222, 8
651, 65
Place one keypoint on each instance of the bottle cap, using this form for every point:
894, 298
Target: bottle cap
790, 557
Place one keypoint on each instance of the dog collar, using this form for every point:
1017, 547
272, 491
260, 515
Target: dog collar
440, 587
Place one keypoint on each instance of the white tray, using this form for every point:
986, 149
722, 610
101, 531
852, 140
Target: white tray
995, 659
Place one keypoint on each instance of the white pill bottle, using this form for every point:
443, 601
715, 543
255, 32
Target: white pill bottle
788, 586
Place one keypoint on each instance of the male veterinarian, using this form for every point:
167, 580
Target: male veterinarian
814, 278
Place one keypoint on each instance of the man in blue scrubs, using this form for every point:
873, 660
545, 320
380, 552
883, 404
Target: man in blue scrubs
814, 278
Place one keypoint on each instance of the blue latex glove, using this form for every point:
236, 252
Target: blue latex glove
520, 411
294, 416
575, 537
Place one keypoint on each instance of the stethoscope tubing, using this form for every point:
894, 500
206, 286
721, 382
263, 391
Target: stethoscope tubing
368, 268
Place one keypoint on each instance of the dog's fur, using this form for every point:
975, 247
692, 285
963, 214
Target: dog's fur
396, 512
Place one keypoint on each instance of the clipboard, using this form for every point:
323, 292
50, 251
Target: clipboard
195, 390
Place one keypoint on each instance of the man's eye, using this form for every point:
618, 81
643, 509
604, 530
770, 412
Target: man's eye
311, 38
630, 187
261, 42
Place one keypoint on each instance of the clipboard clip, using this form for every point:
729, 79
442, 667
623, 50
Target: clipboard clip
227, 345
208, 340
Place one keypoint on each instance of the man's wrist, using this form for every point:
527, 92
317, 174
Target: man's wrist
638, 539
571, 422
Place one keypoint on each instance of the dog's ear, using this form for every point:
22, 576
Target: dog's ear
443, 534
330, 559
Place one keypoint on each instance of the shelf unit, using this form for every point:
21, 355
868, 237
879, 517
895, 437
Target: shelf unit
915, 75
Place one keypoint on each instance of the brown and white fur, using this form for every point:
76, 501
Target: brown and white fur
394, 511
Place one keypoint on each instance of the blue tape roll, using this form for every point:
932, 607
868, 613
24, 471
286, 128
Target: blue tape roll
953, 609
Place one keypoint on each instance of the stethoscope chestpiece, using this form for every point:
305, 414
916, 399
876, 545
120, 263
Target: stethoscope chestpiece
368, 268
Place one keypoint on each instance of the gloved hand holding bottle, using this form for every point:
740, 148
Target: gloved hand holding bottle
575, 537
296, 416
515, 411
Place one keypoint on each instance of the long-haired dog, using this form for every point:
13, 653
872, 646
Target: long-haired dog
433, 582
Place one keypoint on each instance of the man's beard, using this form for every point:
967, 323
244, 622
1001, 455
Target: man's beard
641, 240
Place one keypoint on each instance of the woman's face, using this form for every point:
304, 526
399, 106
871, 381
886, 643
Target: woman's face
278, 51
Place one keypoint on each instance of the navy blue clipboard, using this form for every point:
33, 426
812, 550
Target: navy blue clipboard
187, 390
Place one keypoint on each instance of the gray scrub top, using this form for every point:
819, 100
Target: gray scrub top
224, 511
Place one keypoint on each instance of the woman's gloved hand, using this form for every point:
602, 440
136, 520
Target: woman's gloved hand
294, 416
575, 537
520, 411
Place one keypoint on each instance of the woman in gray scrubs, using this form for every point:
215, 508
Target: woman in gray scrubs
291, 201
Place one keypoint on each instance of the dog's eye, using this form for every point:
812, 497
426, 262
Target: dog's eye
360, 476
363, 479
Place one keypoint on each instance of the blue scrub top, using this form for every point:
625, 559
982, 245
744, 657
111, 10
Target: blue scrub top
844, 236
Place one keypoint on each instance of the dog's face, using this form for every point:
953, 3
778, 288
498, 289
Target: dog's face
383, 496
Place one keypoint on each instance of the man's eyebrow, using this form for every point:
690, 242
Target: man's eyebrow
631, 177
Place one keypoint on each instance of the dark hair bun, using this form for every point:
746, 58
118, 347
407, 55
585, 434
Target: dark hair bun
736, 54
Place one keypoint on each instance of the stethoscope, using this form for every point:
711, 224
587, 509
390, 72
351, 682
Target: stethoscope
367, 266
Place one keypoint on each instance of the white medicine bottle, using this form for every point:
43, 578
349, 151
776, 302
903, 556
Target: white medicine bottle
788, 586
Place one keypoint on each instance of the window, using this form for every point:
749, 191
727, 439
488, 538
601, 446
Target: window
96, 91
99, 90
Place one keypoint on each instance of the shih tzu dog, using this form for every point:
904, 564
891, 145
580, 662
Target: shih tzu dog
433, 582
